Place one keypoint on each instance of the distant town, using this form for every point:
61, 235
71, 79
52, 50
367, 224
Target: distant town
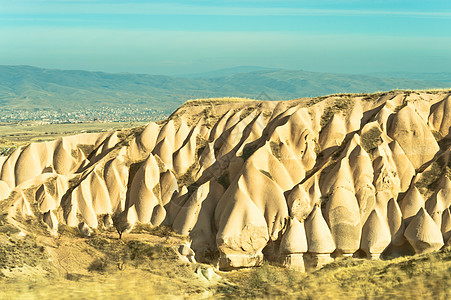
126, 113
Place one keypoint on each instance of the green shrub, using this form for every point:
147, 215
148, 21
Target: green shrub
98, 265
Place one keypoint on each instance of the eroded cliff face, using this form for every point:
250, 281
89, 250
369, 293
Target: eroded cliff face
296, 180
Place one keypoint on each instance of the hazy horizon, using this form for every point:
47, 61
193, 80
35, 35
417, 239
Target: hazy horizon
178, 37
236, 70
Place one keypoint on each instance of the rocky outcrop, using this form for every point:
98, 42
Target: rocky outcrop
423, 234
375, 235
299, 181
413, 135
293, 245
319, 239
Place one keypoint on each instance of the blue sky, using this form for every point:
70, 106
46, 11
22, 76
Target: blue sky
174, 37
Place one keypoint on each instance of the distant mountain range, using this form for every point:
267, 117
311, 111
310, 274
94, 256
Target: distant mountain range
226, 72
442, 76
26, 87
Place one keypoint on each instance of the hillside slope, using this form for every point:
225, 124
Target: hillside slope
376, 156
239, 183
24, 87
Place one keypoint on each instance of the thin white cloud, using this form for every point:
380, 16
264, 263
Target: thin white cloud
82, 7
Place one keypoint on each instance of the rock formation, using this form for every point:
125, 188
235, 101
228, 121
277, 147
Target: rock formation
423, 234
299, 181
319, 239
293, 245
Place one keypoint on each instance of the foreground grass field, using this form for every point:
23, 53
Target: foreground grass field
414, 277
144, 265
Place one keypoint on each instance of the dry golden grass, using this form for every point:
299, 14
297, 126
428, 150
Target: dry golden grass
415, 277
144, 265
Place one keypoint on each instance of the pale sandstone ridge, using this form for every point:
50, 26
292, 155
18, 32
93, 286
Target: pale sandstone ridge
300, 182
413, 135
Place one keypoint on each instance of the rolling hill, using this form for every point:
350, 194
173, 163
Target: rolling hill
26, 87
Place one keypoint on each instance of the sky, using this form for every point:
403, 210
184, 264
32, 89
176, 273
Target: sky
177, 37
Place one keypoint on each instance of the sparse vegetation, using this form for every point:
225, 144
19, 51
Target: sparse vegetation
430, 177
448, 172
374, 97
14, 135
160, 231
317, 148
418, 277
324, 199
6, 151
316, 100
157, 191
86, 149
139, 267
98, 265
139, 251
371, 139
201, 143
341, 105
51, 186
213, 101
68, 231
246, 112
267, 115
188, 179
275, 149
209, 117
18, 252
401, 106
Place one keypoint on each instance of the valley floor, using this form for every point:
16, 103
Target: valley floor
15, 135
